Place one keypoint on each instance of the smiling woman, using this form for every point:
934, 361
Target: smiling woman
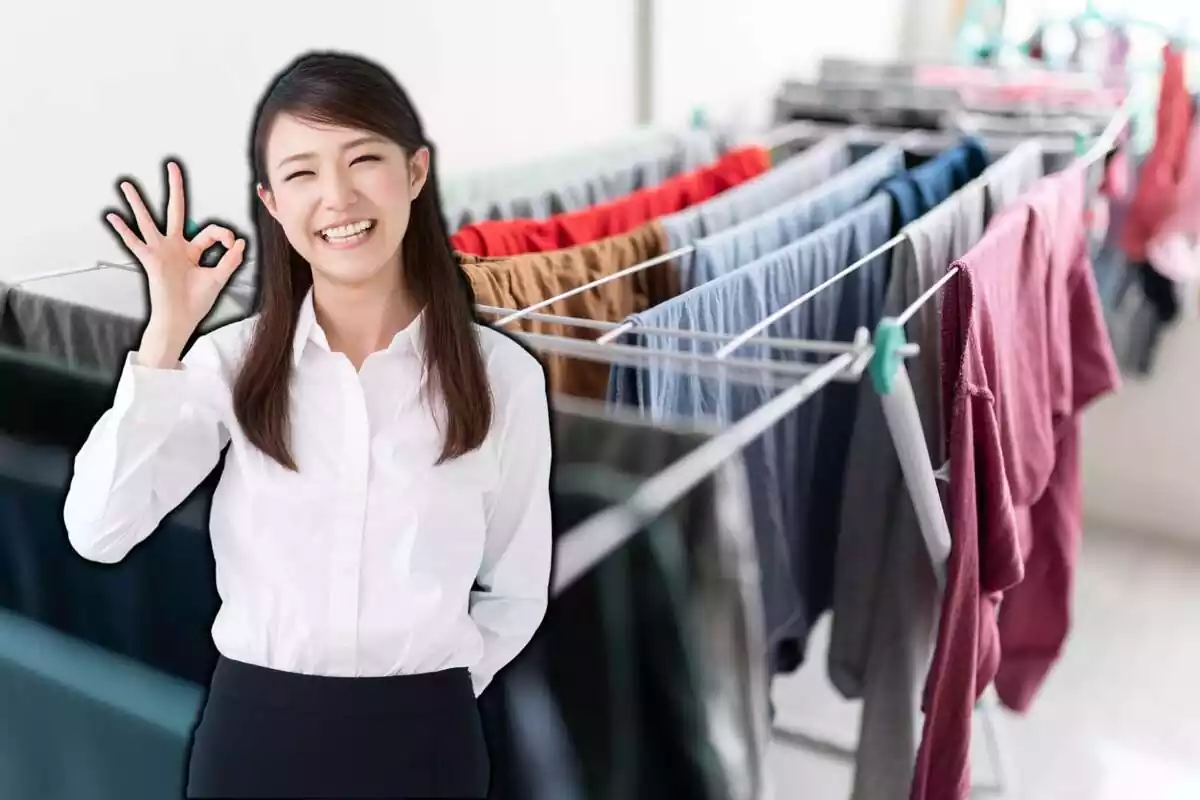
381, 531
342, 163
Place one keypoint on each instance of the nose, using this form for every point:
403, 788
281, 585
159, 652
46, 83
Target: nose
337, 190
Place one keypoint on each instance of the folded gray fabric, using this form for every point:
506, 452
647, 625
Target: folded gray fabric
91, 319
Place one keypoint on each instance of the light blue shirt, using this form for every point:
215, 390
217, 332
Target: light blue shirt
787, 222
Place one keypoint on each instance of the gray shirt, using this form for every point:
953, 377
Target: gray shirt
90, 320
568, 183
1011, 176
885, 595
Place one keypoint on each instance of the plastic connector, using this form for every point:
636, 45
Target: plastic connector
889, 338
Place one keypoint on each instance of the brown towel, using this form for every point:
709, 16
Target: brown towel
519, 281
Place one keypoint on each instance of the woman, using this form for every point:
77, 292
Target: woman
382, 525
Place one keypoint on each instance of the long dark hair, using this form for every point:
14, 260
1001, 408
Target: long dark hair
349, 91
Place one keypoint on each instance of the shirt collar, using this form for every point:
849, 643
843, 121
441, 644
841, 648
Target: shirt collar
408, 340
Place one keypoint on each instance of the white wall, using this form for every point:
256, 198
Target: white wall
928, 30
95, 90
730, 57
1141, 447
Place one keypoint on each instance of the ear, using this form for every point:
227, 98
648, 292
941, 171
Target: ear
418, 171
268, 199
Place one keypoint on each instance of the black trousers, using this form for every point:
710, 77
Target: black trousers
269, 733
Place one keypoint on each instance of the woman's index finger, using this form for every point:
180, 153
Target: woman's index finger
176, 201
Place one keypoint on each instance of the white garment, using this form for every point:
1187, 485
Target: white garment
363, 563
1174, 256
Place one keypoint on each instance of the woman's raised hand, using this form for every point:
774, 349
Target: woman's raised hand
182, 292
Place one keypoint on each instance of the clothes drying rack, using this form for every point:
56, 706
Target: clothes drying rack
588, 543
883, 354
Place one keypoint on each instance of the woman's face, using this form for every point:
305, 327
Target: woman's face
342, 196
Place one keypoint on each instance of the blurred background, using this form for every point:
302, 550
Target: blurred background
96, 91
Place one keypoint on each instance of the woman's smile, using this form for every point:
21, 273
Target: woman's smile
346, 237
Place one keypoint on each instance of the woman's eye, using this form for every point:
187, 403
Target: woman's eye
366, 158
298, 174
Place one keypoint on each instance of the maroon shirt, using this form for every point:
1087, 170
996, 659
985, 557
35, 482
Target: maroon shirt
1035, 615
1022, 348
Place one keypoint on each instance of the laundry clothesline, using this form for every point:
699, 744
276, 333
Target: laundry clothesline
600, 535
585, 545
617, 524
1102, 146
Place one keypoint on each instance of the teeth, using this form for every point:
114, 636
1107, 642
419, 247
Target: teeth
346, 231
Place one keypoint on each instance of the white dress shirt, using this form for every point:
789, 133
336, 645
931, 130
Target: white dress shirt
365, 562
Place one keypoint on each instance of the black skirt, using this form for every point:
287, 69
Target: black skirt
269, 733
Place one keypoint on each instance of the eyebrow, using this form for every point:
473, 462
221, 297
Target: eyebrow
347, 146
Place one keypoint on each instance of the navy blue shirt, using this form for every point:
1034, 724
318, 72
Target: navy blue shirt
919, 190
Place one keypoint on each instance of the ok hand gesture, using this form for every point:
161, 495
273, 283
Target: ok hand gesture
182, 292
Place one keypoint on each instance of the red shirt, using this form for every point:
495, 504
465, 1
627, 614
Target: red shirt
1160, 173
514, 237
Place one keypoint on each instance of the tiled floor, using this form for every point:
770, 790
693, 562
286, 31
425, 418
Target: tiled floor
1119, 718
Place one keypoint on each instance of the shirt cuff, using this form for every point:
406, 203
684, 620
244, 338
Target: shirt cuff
151, 394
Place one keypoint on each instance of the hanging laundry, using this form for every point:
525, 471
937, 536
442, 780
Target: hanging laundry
1169, 249
41, 576
1011, 176
885, 593
645, 666
1161, 171
571, 182
1035, 616
796, 568
1140, 321
789, 221
1112, 269
801, 172
90, 320
983, 311
513, 237
1023, 351
520, 281
919, 190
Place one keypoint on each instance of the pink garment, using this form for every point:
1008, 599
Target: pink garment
1159, 177
1023, 350
1035, 615
984, 86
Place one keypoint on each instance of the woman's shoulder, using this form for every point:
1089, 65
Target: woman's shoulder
510, 364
